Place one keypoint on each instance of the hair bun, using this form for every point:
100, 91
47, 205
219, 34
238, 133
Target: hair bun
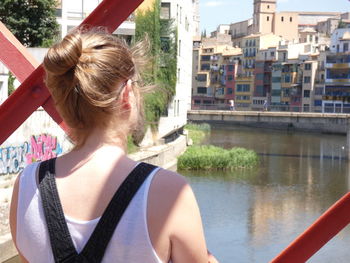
64, 56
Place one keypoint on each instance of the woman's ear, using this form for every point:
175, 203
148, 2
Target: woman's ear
126, 95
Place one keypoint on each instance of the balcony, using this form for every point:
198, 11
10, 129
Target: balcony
338, 59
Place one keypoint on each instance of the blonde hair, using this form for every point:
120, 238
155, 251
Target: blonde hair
85, 74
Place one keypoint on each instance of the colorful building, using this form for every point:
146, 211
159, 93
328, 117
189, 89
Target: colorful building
337, 84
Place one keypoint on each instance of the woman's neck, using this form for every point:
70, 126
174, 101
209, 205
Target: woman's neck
99, 139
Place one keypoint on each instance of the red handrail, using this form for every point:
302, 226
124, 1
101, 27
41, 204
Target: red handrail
318, 234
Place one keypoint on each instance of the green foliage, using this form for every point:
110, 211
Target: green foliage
162, 71
10, 84
197, 132
341, 24
211, 157
131, 147
33, 22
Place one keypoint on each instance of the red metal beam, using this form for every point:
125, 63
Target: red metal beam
15, 56
318, 234
33, 93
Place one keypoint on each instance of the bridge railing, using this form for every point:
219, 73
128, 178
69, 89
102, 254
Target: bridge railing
318, 234
273, 108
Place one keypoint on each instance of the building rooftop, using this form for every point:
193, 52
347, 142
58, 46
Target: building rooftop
346, 36
308, 30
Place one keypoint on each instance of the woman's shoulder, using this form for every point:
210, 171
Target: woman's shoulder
169, 183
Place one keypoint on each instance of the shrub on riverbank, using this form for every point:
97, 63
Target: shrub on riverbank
211, 157
197, 132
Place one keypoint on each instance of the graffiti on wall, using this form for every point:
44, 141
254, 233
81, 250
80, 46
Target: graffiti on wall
13, 159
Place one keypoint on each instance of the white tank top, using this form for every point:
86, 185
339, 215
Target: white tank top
130, 241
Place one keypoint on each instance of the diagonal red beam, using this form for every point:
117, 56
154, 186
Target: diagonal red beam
318, 234
33, 93
15, 56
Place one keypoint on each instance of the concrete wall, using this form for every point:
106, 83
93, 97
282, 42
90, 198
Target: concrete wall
38, 138
312, 122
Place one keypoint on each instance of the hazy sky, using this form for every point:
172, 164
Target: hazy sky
215, 12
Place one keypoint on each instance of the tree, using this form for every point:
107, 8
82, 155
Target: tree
341, 24
33, 22
163, 70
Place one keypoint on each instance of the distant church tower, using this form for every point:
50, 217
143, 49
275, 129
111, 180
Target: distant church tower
263, 17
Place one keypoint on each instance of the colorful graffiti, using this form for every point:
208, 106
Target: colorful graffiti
40, 148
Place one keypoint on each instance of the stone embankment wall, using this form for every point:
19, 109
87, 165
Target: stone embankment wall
312, 122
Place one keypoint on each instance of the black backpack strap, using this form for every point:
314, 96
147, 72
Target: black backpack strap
61, 242
63, 249
96, 246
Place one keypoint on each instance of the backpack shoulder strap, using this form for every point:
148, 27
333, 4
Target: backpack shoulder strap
97, 244
63, 249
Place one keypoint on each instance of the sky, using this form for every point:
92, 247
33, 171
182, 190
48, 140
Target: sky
216, 12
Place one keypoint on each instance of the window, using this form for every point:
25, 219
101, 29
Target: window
243, 88
165, 11
206, 102
346, 47
268, 18
282, 18
259, 90
229, 91
205, 58
286, 93
272, 53
291, 19
306, 107
165, 44
179, 52
229, 77
268, 6
202, 77
308, 66
197, 102
306, 93
180, 14
202, 90
205, 67
287, 78
259, 76
276, 93
276, 79
307, 79
178, 75
243, 97
230, 68
318, 91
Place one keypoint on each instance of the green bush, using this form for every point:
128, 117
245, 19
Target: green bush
197, 132
212, 157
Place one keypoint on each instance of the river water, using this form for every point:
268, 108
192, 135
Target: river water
252, 215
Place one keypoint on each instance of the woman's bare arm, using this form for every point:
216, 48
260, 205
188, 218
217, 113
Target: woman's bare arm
13, 215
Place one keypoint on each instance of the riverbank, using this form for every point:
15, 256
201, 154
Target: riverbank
161, 155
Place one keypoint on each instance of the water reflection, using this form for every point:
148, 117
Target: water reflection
251, 215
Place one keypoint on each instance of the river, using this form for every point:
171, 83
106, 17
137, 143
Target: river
252, 215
